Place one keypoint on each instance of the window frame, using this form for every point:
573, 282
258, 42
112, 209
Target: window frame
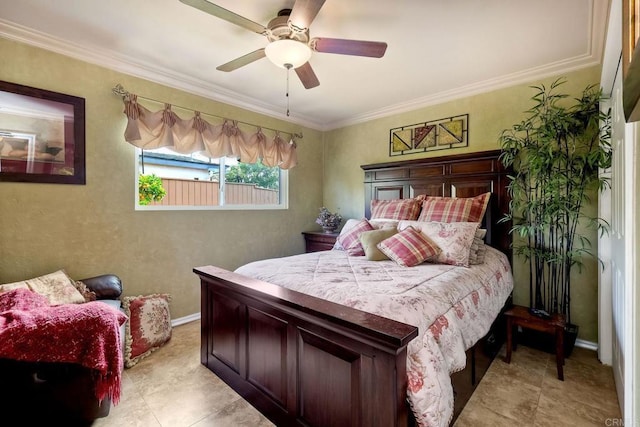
283, 194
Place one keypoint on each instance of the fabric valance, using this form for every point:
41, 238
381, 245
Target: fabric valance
164, 128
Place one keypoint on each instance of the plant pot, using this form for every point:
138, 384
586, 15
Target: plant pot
329, 230
570, 337
546, 342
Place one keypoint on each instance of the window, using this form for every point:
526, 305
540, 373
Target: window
193, 181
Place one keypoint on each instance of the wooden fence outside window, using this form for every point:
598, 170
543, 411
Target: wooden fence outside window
185, 192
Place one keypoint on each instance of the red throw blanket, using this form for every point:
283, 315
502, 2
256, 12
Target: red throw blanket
86, 334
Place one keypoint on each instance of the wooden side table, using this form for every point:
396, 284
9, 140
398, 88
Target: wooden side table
520, 316
319, 241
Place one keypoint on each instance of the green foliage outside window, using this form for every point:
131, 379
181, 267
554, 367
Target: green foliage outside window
150, 189
254, 173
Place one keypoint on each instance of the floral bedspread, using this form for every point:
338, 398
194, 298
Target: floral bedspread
453, 307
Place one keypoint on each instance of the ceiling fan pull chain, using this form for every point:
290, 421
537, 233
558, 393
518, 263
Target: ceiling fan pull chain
288, 67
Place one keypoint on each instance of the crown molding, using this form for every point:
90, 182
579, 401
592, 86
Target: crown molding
114, 61
598, 19
595, 50
485, 86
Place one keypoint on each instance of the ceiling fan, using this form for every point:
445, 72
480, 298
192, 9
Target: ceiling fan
289, 43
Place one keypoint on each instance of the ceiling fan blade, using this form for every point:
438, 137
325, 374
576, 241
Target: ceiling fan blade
242, 61
307, 76
304, 12
227, 15
349, 47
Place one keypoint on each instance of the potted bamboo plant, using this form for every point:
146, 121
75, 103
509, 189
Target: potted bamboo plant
556, 153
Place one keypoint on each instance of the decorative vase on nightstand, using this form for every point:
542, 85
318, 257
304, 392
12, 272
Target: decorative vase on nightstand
328, 221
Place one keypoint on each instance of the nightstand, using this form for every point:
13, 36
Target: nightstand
520, 316
319, 241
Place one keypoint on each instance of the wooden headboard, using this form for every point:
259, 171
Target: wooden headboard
462, 175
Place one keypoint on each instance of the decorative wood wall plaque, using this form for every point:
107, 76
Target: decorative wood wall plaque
451, 132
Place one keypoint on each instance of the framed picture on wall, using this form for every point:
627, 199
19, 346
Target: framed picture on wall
42, 136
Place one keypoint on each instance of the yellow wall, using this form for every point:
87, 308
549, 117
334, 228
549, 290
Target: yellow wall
489, 113
94, 229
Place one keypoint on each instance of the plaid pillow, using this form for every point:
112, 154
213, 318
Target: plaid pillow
350, 240
453, 238
409, 247
395, 209
452, 209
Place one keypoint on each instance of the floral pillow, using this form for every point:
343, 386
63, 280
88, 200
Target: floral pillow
57, 287
86, 293
148, 328
409, 247
407, 209
350, 239
453, 238
453, 209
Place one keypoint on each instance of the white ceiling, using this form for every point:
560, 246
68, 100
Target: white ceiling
437, 49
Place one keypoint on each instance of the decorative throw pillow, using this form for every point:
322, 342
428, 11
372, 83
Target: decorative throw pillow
11, 286
481, 233
453, 238
409, 247
57, 287
407, 209
86, 293
348, 225
148, 328
370, 240
478, 248
350, 240
477, 254
383, 223
453, 209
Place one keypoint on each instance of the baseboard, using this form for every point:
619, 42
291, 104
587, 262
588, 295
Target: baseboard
185, 319
589, 345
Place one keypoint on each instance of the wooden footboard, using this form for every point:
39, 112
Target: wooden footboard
302, 360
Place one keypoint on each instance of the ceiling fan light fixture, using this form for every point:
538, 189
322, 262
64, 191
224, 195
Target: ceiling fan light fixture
287, 51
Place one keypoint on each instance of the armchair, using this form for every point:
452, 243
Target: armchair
57, 391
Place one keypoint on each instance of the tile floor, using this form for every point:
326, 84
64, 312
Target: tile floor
171, 388
527, 392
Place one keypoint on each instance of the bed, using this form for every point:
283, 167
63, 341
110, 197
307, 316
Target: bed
352, 351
